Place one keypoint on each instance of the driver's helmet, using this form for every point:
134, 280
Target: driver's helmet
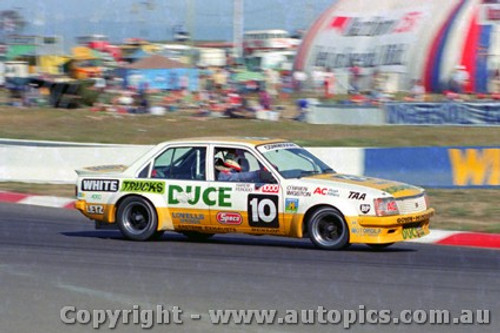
228, 164
232, 164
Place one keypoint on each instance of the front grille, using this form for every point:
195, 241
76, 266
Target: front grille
411, 205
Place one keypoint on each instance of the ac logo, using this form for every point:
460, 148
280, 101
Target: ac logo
320, 191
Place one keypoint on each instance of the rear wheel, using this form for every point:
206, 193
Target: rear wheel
197, 236
137, 219
328, 230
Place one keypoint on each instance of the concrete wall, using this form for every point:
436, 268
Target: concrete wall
448, 167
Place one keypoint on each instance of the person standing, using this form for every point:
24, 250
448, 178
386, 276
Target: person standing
355, 76
328, 83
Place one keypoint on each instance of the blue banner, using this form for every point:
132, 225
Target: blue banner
483, 114
449, 167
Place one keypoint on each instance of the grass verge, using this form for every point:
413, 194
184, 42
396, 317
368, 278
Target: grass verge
82, 125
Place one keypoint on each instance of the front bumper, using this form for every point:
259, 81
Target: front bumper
389, 229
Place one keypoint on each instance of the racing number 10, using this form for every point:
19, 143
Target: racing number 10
263, 211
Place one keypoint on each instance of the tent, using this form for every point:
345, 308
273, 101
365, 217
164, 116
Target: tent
158, 72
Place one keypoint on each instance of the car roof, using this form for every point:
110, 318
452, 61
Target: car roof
251, 141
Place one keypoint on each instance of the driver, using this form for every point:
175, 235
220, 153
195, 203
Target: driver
230, 170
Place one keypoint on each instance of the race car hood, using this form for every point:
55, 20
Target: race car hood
102, 169
396, 189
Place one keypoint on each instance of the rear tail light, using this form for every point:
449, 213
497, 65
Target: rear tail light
386, 207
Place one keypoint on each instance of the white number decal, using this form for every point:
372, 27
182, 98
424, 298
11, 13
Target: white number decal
259, 210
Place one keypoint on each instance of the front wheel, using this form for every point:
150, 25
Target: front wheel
137, 219
328, 230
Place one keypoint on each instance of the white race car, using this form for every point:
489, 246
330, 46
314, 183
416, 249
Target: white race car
204, 186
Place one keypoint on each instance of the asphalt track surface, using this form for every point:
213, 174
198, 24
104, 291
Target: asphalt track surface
51, 258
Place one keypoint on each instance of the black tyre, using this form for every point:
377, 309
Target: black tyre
137, 219
379, 247
328, 230
197, 236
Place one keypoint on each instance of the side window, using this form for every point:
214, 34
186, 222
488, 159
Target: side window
186, 163
239, 165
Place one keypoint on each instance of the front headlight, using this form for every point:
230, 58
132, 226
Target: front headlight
386, 207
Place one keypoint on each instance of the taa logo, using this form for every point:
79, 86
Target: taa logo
263, 211
357, 196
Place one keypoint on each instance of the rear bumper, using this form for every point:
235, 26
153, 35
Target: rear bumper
389, 229
107, 215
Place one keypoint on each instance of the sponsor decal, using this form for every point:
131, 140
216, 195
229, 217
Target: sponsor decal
366, 231
270, 188
417, 218
95, 209
100, 185
476, 167
218, 229
376, 25
229, 218
211, 196
81, 195
492, 13
189, 218
410, 233
356, 195
265, 230
245, 187
365, 208
276, 146
326, 191
297, 191
397, 188
96, 196
263, 211
207, 229
291, 205
144, 186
